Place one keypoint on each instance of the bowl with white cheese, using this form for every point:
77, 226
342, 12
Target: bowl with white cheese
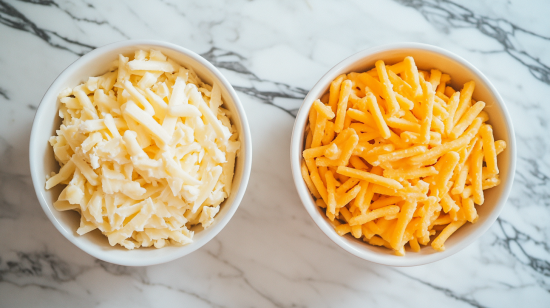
140, 152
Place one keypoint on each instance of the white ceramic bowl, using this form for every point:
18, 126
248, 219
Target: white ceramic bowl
42, 161
426, 57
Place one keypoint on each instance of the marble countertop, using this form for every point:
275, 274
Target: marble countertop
272, 254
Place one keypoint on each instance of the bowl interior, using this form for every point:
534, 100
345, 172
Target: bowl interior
43, 162
426, 57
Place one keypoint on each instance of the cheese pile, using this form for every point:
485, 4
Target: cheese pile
147, 151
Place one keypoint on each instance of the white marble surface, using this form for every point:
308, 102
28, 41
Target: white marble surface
271, 254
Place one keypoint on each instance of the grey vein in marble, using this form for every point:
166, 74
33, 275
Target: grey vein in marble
4, 94
448, 15
13, 18
232, 61
512, 236
448, 292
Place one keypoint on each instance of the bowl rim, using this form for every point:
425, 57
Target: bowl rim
246, 139
304, 193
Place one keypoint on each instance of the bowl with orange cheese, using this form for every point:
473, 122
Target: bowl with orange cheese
403, 154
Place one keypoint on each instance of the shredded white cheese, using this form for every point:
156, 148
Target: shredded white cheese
146, 152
